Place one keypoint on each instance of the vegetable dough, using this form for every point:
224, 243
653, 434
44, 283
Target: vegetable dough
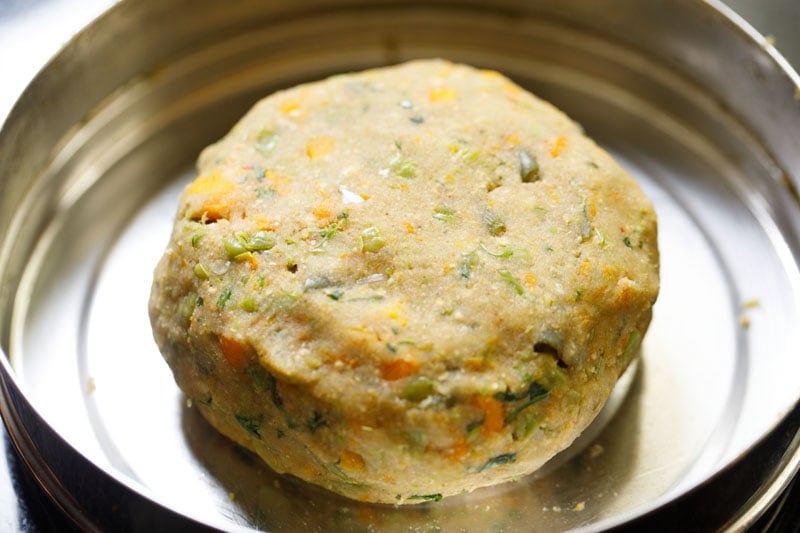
405, 283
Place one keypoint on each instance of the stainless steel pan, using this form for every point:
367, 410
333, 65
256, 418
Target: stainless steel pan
704, 112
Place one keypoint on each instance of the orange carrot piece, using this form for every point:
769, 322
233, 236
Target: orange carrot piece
236, 354
493, 411
398, 369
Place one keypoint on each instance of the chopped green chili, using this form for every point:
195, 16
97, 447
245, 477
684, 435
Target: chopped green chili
200, 271
494, 223
528, 166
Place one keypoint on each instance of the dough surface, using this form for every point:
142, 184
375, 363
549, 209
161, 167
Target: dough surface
405, 283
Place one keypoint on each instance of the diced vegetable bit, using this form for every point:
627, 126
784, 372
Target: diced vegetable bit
252, 425
371, 240
528, 166
199, 301
627, 242
578, 294
266, 141
316, 421
444, 212
200, 271
265, 193
398, 369
259, 241
249, 304
187, 305
494, 223
237, 354
403, 167
196, 239
503, 459
223, 298
630, 347
493, 414
417, 389
241, 243
351, 461
466, 264
426, 497
416, 119
330, 231
473, 430
526, 422
511, 280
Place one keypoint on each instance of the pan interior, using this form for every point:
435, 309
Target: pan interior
717, 368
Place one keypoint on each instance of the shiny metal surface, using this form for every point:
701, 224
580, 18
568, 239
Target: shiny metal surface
85, 225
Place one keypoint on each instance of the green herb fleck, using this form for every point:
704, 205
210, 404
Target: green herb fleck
504, 254
223, 298
252, 425
444, 212
199, 301
416, 119
509, 277
535, 393
249, 304
315, 422
403, 168
503, 459
265, 193
266, 141
336, 295
466, 264
578, 294
627, 242
426, 497
391, 347
417, 389
196, 239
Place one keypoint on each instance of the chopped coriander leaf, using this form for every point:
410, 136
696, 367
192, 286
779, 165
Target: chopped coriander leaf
196, 239
503, 459
578, 294
466, 264
252, 425
223, 298
315, 422
515, 284
426, 497
336, 295
627, 242
504, 254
